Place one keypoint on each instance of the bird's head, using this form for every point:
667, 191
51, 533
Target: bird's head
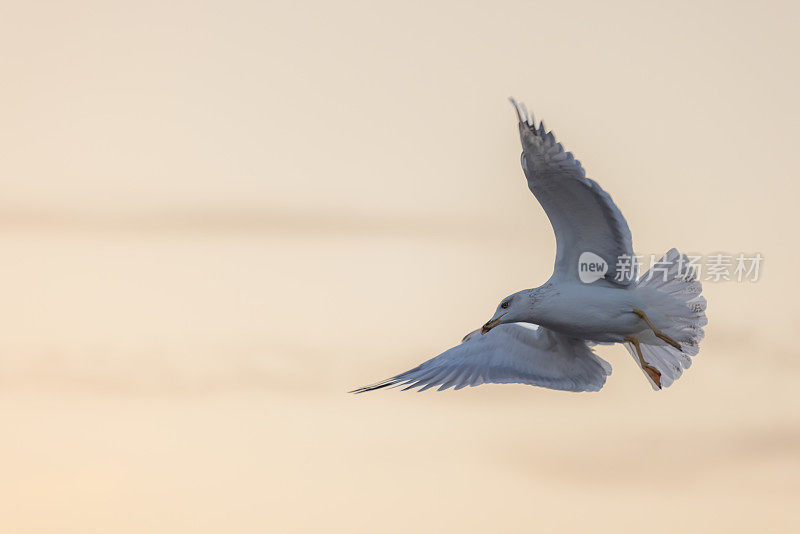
516, 308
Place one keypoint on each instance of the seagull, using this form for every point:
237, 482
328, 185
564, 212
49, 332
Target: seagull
544, 336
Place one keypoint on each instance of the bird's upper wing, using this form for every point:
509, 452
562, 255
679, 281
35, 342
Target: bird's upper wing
509, 354
584, 217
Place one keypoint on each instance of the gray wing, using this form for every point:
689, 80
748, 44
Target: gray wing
584, 217
509, 354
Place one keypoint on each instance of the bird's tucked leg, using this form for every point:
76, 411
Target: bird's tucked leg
651, 371
659, 334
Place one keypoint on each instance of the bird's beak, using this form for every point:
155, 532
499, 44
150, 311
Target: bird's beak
491, 324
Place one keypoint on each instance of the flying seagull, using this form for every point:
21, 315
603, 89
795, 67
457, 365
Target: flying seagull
544, 336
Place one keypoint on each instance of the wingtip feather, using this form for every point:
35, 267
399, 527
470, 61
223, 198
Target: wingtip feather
524, 116
521, 117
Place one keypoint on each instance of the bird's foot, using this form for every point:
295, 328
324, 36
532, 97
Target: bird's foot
668, 339
652, 372
659, 334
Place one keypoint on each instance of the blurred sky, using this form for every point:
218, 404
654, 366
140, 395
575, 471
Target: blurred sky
218, 217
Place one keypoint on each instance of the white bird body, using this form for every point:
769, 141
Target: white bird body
594, 313
542, 336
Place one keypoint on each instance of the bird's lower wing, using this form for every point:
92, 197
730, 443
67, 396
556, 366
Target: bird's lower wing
508, 354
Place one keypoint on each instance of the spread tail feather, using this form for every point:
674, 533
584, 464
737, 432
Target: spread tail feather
673, 292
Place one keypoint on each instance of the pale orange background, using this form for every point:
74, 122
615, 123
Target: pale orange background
218, 217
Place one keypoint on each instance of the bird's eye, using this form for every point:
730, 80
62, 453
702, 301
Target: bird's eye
504, 305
